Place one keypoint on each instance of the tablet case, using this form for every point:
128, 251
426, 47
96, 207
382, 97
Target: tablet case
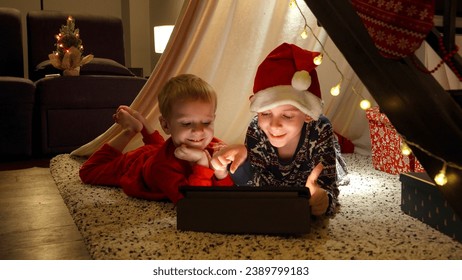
244, 210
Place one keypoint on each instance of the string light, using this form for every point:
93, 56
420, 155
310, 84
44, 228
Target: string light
335, 91
318, 59
405, 150
292, 4
365, 104
440, 178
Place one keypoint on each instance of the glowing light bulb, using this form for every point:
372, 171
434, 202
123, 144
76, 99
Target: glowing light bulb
365, 104
405, 150
304, 34
318, 59
440, 178
292, 4
335, 90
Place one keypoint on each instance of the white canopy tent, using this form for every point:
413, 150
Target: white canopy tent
223, 42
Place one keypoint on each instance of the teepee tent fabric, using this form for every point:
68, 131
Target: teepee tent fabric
223, 42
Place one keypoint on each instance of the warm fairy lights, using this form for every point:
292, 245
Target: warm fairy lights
318, 59
292, 3
69, 49
365, 104
441, 178
405, 150
335, 90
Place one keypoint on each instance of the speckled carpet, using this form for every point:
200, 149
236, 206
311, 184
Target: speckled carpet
369, 225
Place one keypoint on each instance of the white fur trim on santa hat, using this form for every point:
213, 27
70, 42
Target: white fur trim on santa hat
271, 97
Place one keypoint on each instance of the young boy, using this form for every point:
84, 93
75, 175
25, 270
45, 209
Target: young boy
156, 170
289, 142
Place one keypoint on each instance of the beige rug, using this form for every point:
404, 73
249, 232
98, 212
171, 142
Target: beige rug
370, 225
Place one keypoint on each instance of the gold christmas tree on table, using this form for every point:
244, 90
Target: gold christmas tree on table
69, 49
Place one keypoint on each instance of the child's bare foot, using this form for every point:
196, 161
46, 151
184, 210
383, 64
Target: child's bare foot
132, 112
128, 122
146, 125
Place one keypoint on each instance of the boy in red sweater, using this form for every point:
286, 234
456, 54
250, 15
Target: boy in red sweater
156, 170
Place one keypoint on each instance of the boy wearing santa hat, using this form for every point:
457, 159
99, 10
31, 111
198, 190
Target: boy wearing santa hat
289, 142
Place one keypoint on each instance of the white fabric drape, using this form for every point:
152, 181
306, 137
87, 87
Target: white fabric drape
444, 75
223, 42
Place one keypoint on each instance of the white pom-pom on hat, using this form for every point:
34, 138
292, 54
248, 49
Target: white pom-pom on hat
301, 80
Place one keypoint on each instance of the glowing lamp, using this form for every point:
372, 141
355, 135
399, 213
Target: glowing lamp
161, 36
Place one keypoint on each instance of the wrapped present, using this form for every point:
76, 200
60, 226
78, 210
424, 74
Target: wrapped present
421, 199
386, 146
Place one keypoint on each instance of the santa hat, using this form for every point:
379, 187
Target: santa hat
287, 76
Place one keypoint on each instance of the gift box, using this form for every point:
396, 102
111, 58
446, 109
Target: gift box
386, 146
421, 199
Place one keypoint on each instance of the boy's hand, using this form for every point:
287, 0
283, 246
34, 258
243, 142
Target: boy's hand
193, 155
319, 199
234, 154
220, 174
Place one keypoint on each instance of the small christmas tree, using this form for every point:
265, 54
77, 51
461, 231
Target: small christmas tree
69, 50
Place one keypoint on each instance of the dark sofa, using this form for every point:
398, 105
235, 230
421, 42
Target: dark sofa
17, 94
73, 110
70, 116
42, 116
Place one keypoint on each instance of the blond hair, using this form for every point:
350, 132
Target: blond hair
185, 87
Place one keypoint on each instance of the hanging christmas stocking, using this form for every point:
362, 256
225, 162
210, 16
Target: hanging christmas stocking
397, 27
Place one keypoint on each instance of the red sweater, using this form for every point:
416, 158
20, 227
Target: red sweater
156, 174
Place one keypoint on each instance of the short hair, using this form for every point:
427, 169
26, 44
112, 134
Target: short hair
185, 87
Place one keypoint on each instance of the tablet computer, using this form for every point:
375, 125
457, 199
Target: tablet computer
244, 209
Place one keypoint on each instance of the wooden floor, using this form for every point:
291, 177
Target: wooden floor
35, 224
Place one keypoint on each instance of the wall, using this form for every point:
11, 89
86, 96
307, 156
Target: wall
138, 21
162, 12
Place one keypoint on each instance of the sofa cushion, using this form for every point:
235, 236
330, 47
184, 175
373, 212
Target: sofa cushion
105, 66
97, 66
15, 90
